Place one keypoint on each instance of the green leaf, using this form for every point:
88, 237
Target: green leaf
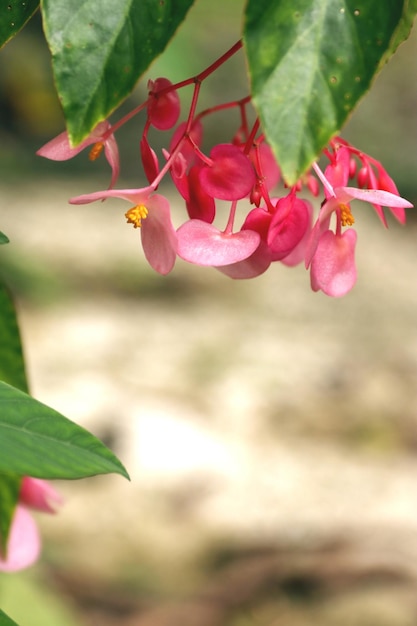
310, 62
404, 26
3, 238
9, 494
37, 441
5, 620
12, 365
13, 16
100, 49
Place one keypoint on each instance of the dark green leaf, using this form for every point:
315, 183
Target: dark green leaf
12, 365
9, 494
37, 441
3, 238
5, 620
13, 16
310, 62
100, 49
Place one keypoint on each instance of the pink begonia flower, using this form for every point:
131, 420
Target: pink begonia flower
59, 148
333, 268
152, 215
24, 543
203, 244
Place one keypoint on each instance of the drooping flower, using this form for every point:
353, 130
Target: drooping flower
151, 213
60, 149
333, 268
24, 543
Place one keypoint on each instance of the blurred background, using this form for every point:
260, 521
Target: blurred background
270, 432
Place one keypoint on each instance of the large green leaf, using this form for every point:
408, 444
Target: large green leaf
99, 50
37, 441
13, 16
12, 365
5, 620
9, 494
310, 61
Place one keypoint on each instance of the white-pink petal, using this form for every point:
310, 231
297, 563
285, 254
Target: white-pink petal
374, 196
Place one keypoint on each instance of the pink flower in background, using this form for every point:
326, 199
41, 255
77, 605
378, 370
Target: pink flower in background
59, 148
24, 543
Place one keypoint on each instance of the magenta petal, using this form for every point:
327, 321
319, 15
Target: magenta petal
231, 175
333, 268
288, 226
203, 244
24, 544
163, 108
39, 494
159, 239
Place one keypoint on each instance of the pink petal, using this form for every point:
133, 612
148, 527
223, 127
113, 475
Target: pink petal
159, 239
187, 148
288, 226
333, 268
59, 148
231, 175
377, 196
199, 205
39, 494
259, 220
111, 152
135, 196
337, 173
24, 544
203, 244
255, 265
149, 160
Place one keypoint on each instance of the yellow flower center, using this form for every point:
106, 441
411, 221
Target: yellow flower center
136, 214
96, 150
346, 216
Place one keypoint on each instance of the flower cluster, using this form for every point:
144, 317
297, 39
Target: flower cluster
276, 227
24, 544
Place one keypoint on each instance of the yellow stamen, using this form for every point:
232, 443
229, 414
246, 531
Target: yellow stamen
96, 150
346, 216
136, 214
